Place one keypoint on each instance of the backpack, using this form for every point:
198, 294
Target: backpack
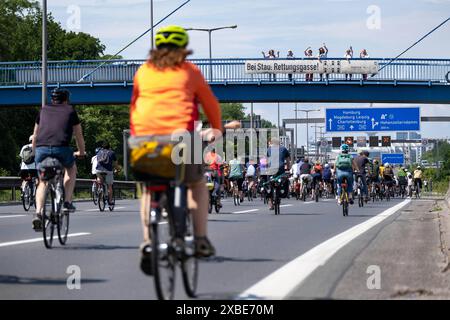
103, 157
344, 162
27, 155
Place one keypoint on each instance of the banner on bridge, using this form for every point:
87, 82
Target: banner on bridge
291, 66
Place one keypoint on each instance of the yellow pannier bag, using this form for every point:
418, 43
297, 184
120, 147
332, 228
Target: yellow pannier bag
153, 159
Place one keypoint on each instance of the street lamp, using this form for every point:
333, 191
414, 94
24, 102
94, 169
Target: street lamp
44, 52
307, 128
209, 33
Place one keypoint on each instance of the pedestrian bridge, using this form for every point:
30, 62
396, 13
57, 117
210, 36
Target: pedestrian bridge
402, 81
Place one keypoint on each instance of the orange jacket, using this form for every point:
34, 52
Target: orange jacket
166, 100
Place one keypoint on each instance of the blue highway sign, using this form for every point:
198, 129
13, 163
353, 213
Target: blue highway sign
393, 158
373, 119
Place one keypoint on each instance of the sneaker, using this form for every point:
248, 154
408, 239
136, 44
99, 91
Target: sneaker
146, 258
339, 201
204, 248
68, 207
37, 222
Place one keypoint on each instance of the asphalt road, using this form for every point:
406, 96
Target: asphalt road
252, 243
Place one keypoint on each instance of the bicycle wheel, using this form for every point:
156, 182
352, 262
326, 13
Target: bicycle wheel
63, 226
163, 260
94, 192
210, 205
113, 203
276, 202
26, 197
48, 213
316, 194
217, 206
101, 199
189, 265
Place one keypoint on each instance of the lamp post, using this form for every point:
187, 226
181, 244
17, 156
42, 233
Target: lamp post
307, 128
151, 21
209, 34
44, 52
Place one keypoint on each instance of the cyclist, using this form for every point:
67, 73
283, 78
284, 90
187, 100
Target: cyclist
326, 177
53, 130
410, 187
401, 175
106, 163
166, 95
278, 162
28, 165
388, 176
250, 175
361, 161
418, 173
237, 175
345, 166
215, 161
305, 174
316, 175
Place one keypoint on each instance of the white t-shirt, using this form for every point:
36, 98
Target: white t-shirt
94, 164
23, 165
250, 171
294, 170
348, 56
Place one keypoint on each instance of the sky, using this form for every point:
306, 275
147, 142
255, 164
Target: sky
383, 27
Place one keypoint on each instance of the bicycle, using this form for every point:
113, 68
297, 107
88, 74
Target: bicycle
417, 189
94, 191
213, 198
235, 189
52, 172
170, 227
344, 198
103, 194
28, 194
360, 192
304, 192
274, 191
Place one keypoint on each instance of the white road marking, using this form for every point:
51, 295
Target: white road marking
285, 205
283, 281
93, 210
14, 243
14, 216
245, 211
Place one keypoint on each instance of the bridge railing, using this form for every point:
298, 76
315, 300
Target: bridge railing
216, 70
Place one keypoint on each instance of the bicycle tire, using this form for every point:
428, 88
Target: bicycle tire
113, 204
94, 193
48, 209
189, 265
101, 200
26, 198
163, 292
210, 205
217, 207
63, 227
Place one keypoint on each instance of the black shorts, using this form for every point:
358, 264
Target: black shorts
239, 182
26, 174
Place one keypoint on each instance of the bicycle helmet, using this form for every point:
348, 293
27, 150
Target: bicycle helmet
172, 36
60, 95
386, 164
344, 147
327, 165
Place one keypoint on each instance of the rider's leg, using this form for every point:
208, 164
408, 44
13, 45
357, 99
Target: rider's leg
70, 177
198, 205
145, 212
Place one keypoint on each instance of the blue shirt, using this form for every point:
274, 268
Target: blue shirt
279, 152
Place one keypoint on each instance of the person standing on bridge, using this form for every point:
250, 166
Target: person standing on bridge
167, 92
309, 54
55, 125
271, 55
323, 54
364, 55
290, 55
348, 55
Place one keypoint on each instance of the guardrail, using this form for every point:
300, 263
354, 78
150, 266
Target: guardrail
14, 184
215, 70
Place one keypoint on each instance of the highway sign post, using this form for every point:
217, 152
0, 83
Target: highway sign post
373, 119
393, 158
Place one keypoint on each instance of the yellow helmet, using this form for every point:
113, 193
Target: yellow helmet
173, 35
